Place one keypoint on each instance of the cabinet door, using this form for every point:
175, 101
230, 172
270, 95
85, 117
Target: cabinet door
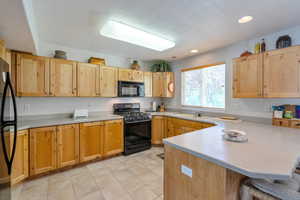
125, 75
62, 77
4, 177
148, 84
168, 84
113, 137
32, 75
282, 73
109, 81
247, 77
42, 150
2, 49
20, 168
137, 76
68, 145
170, 127
91, 141
88, 80
158, 129
157, 90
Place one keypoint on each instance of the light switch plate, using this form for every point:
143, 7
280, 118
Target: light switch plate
186, 171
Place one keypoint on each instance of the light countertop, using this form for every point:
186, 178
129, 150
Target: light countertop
271, 152
59, 120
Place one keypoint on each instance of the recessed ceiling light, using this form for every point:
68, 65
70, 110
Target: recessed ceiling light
194, 51
245, 19
126, 33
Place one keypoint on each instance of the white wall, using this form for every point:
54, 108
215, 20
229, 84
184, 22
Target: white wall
247, 107
55, 105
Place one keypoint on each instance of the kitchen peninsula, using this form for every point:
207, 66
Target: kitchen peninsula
201, 165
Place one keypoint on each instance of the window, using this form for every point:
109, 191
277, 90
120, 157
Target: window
204, 86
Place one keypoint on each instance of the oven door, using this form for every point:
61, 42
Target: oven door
137, 133
130, 89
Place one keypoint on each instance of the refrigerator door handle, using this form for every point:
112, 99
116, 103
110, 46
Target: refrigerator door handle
9, 161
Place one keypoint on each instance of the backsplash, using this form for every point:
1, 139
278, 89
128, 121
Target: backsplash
56, 105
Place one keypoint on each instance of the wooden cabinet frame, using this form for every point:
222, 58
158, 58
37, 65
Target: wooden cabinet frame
37, 149
59, 76
248, 77
86, 136
67, 144
39, 73
113, 137
277, 74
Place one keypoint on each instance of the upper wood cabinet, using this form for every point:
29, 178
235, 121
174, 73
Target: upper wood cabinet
247, 77
131, 75
67, 145
32, 75
113, 137
148, 84
108, 81
2, 50
91, 141
163, 84
63, 78
157, 84
273, 74
88, 80
282, 73
43, 150
20, 169
168, 84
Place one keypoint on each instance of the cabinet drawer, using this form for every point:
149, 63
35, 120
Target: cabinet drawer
295, 124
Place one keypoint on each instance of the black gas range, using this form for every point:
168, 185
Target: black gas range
137, 127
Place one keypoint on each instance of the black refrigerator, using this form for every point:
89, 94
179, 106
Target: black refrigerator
8, 130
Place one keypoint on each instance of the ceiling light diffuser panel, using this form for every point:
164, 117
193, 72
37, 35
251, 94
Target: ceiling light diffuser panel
126, 33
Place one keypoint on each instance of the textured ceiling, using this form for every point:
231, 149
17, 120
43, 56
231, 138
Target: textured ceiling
200, 24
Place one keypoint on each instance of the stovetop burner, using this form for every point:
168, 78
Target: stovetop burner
135, 116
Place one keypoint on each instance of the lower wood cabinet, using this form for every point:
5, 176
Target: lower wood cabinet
60, 146
113, 137
163, 127
159, 125
43, 150
67, 145
91, 141
20, 170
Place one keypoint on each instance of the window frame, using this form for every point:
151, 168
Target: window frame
197, 68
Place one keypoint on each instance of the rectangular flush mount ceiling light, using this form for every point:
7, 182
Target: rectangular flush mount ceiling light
123, 32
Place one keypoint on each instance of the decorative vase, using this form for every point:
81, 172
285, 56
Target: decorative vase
135, 65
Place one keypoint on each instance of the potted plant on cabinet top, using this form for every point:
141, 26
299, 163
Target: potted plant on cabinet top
161, 66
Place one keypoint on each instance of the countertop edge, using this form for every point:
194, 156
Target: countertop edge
231, 167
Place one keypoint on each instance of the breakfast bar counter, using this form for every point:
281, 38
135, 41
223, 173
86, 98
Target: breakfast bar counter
202, 165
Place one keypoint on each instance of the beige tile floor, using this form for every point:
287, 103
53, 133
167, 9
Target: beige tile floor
135, 177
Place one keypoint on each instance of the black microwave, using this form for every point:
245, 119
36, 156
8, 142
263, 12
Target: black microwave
131, 89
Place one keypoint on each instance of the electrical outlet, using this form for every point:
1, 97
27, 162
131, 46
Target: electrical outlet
186, 171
